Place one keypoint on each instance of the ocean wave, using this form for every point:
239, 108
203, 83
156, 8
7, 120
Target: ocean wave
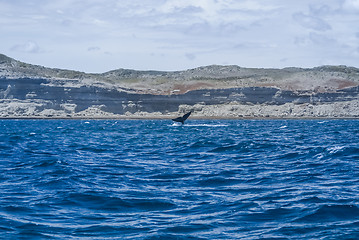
198, 125
204, 180
332, 213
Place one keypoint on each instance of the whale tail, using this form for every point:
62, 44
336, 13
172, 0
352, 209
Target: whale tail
183, 118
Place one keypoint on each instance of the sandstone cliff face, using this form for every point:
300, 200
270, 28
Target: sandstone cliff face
29, 91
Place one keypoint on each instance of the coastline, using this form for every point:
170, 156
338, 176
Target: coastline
169, 118
210, 92
18, 109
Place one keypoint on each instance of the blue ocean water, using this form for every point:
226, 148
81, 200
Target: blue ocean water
152, 179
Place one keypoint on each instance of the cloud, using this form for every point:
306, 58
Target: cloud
320, 10
28, 47
321, 40
351, 5
93, 49
181, 33
311, 22
190, 56
214, 12
214, 31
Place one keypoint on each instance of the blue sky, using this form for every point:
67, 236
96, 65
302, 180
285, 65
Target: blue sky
103, 35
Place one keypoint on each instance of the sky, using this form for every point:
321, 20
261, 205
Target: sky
96, 36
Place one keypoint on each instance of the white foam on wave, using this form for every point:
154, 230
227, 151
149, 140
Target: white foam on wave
335, 149
206, 125
198, 125
284, 126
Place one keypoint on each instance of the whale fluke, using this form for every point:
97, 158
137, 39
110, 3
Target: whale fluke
183, 118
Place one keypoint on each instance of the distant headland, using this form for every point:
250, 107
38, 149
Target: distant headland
226, 92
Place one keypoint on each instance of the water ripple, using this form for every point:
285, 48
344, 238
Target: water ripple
273, 179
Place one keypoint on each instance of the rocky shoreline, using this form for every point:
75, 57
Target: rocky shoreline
342, 110
213, 92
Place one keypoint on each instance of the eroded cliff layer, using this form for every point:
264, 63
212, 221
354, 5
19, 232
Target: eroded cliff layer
29, 91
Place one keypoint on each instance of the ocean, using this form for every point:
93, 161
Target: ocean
152, 179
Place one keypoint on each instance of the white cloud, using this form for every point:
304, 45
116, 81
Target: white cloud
213, 12
28, 47
320, 10
322, 40
178, 34
311, 22
93, 49
351, 5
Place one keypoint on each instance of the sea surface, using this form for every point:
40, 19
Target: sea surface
152, 179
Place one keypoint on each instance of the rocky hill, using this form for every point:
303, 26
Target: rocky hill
31, 91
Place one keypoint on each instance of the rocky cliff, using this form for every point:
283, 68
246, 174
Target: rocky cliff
30, 91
